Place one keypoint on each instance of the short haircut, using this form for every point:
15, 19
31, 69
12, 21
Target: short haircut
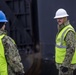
1, 24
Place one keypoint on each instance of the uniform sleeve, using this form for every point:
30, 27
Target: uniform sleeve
70, 48
12, 55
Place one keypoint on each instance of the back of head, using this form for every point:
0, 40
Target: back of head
60, 13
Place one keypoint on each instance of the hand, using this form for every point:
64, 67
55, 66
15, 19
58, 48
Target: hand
64, 69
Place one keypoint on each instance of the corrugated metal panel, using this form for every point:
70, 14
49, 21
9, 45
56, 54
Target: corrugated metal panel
19, 26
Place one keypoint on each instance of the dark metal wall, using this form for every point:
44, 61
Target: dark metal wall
19, 17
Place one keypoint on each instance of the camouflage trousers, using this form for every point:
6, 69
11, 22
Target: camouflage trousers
69, 72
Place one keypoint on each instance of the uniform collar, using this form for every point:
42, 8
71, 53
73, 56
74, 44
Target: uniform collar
3, 32
60, 27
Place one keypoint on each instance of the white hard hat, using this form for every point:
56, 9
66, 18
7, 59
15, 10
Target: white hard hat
60, 13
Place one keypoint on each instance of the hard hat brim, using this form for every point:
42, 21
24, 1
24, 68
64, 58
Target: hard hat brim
3, 20
60, 16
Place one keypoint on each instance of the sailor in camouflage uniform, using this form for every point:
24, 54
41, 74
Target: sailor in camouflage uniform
65, 53
10, 60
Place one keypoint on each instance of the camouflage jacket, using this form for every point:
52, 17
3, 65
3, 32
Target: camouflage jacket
12, 55
70, 47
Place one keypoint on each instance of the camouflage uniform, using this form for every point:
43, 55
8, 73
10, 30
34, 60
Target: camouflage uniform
70, 49
12, 55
